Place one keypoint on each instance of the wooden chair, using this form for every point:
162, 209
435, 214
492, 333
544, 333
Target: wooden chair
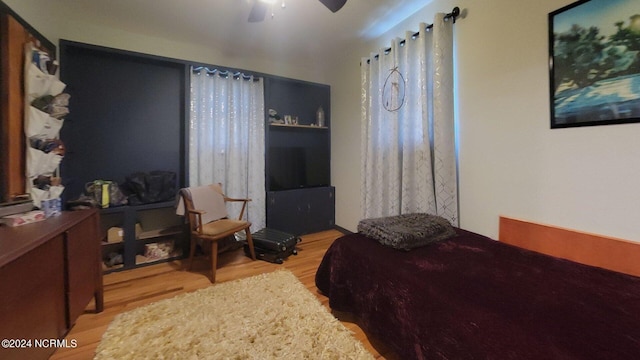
205, 207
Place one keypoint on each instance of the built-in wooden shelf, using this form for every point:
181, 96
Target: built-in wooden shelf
174, 230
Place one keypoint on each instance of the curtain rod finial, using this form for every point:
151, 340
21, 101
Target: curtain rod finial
455, 13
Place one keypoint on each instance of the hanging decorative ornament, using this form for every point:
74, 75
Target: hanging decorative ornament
393, 91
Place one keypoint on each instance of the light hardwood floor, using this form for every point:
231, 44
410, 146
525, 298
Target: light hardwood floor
127, 290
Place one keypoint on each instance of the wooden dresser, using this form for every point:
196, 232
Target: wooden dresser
49, 272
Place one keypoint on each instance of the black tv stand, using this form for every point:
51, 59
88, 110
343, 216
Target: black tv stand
301, 211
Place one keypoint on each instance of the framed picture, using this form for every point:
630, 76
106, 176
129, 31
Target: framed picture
594, 48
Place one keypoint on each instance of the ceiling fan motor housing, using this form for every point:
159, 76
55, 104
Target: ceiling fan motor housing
259, 8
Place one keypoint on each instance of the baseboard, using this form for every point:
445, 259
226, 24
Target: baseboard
342, 230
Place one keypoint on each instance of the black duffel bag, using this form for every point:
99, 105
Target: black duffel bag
155, 186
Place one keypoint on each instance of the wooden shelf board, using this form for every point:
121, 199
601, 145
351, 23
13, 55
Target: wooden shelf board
140, 261
106, 243
108, 269
174, 230
299, 126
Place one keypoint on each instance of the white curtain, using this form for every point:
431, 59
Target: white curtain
226, 138
408, 138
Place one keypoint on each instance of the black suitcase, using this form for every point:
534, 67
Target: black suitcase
274, 240
276, 257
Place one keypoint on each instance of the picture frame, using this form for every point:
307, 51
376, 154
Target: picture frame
594, 63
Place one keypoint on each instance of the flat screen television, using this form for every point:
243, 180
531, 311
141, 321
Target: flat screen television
298, 167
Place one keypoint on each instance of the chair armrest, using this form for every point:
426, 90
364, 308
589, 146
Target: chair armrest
195, 216
234, 199
244, 205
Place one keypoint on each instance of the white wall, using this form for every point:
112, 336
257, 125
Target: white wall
56, 22
511, 162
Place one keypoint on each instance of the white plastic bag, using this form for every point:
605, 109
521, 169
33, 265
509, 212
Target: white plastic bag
39, 84
41, 163
38, 195
40, 125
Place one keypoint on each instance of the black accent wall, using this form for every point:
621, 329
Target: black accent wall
127, 114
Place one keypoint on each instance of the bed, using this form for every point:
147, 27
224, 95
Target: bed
470, 297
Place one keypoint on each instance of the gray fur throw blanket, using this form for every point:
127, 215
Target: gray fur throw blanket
407, 231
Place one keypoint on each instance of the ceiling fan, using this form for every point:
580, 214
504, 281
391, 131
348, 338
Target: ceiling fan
260, 7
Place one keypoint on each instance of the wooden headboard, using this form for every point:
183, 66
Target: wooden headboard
596, 250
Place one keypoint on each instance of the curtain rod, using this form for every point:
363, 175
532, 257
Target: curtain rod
452, 15
222, 73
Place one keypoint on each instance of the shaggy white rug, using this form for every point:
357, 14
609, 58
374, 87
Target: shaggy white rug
269, 316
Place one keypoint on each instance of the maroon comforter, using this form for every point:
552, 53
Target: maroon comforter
470, 297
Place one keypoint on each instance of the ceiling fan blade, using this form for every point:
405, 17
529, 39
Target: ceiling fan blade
333, 5
258, 11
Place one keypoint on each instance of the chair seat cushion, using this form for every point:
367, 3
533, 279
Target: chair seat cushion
222, 226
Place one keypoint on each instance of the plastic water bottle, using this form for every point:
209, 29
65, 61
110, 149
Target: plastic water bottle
320, 117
